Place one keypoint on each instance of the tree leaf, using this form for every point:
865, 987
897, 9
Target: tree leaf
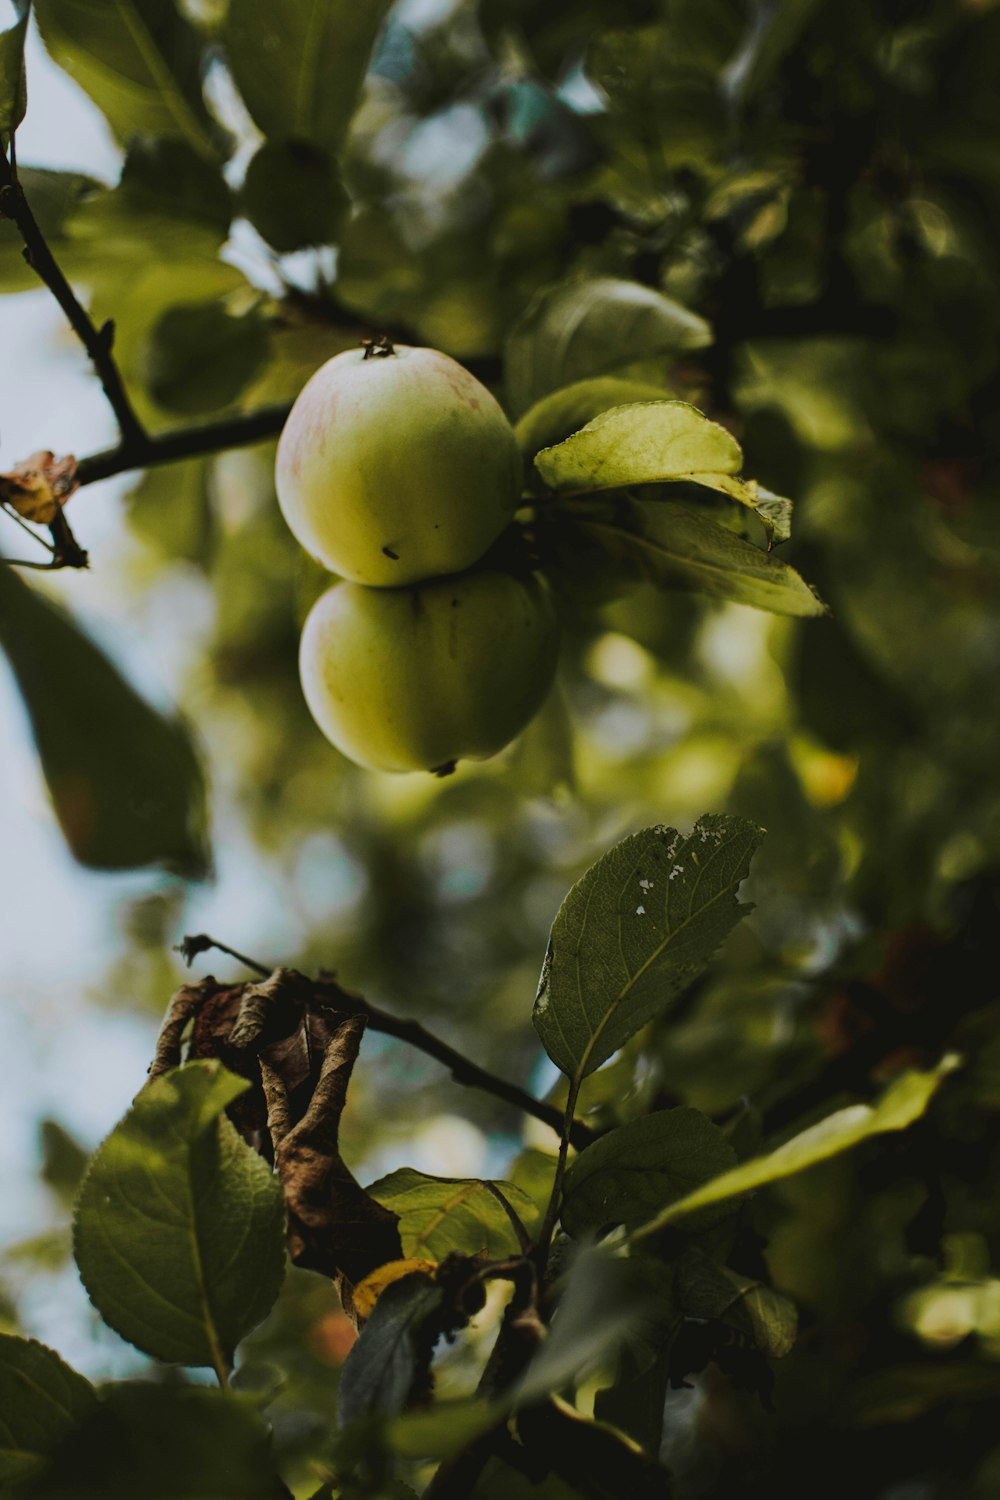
391, 1358
64, 1160
596, 1459
675, 546
41, 1400
633, 933
293, 196
139, 61
163, 1443
591, 327
13, 87
179, 1230
631, 1172
200, 358
171, 509
904, 1102
655, 442
300, 65
54, 198
567, 410
125, 781
438, 1215
642, 442
706, 1290
605, 1301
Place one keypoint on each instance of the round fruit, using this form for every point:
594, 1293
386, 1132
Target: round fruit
396, 465
416, 679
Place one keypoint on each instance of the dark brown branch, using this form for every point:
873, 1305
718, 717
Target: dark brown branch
96, 341
143, 451
462, 1069
469, 1073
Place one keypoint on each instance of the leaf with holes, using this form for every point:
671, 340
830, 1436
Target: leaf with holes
438, 1215
633, 933
179, 1229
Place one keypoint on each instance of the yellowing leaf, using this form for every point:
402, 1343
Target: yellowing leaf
903, 1103
368, 1290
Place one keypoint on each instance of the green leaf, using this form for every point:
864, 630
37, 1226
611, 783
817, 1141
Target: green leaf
604, 1302
125, 781
654, 442
633, 933
440, 1430
163, 1443
641, 443
901, 1105
179, 1232
293, 196
390, 1362
41, 1400
54, 197
775, 31
675, 546
706, 1290
567, 410
300, 65
200, 358
579, 329
169, 182
13, 87
630, 1173
64, 1160
438, 1215
171, 509
139, 61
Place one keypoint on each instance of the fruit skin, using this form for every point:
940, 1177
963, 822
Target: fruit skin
416, 679
396, 467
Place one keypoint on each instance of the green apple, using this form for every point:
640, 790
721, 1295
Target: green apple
396, 465
418, 678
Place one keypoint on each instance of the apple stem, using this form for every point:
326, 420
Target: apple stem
378, 348
447, 769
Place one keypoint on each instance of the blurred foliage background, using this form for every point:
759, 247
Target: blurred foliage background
819, 182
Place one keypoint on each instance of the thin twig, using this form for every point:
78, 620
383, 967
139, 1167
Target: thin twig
97, 341
471, 1074
463, 1070
555, 1197
190, 946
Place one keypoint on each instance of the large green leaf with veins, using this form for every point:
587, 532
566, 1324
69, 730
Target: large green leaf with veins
634, 932
179, 1230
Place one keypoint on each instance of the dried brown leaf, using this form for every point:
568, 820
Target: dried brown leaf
39, 486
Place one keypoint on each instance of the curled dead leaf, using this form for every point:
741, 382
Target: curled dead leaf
39, 486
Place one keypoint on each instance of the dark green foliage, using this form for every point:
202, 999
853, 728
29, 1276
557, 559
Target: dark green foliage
126, 783
734, 270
